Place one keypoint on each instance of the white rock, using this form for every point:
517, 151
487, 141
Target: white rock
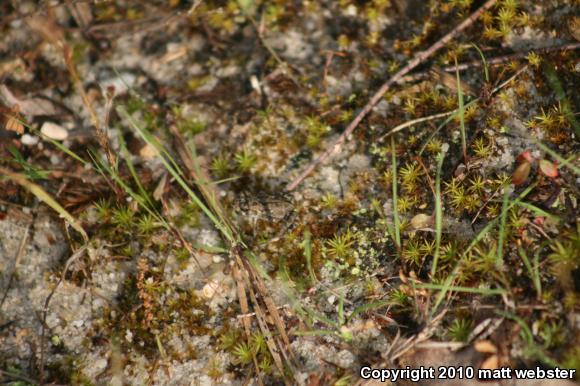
78, 323
29, 140
54, 131
351, 10
55, 159
100, 364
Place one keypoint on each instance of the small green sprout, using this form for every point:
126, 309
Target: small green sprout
399, 297
476, 185
410, 174
266, 365
434, 146
329, 201
412, 253
340, 245
404, 204
472, 203
460, 329
245, 160
243, 354
191, 126
220, 165
315, 130
214, 368
123, 216
103, 207
259, 344
481, 148
228, 340
458, 198
534, 59
146, 225
181, 254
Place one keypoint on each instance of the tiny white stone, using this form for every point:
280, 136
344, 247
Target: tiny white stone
100, 364
331, 299
54, 131
255, 84
78, 323
29, 140
351, 10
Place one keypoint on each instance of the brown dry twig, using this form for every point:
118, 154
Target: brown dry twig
420, 58
491, 61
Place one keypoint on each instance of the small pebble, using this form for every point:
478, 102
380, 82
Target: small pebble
29, 140
54, 131
78, 323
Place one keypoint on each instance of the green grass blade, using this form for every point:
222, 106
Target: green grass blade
133, 172
170, 165
502, 228
482, 291
367, 307
396, 220
438, 213
461, 111
307, 246
485, 68
533, 270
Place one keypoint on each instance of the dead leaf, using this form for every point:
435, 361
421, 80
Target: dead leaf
13, 121
485, 346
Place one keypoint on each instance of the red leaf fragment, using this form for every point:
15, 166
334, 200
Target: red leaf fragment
525, 156
521, 173
549, 169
